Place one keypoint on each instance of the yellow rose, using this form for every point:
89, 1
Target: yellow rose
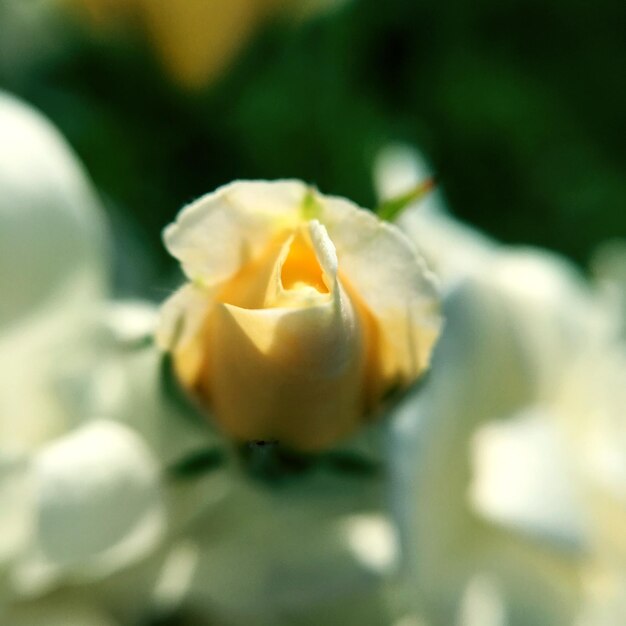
300, 313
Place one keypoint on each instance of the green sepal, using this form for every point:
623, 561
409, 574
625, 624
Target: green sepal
176, 396
270, 463
273, 464
390, 209
197, 463
350, 463
311, 208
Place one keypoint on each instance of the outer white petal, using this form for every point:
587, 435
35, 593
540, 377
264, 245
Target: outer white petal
384, 270
52, 234
98, 502
216, 235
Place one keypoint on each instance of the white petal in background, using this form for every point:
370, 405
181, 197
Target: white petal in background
53, 272
554, 310
480, 373
52, 233
98, 505
516, 321
76, 501
132, 386
524, 478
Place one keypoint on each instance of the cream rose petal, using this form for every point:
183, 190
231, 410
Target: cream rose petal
385, 271
216, 235
182, 315
181, 320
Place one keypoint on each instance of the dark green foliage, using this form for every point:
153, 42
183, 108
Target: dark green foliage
518, 105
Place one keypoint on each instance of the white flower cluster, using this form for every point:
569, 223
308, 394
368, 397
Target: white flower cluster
504, 501
514, 455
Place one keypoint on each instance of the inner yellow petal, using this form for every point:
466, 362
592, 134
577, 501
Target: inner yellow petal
246, 289
301, 267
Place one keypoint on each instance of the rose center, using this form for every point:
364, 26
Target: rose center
301, 269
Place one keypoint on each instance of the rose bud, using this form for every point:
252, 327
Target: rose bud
301, 312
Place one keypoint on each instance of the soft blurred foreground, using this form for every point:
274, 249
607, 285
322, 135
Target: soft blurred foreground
492, 493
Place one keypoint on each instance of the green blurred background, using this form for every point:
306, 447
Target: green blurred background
519, 106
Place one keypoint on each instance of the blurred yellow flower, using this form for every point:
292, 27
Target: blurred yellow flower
301, 312
196, 40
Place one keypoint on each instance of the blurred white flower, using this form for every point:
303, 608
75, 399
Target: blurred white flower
53, 274
79, 498
316, 550
97, 503
53, 238
488, 448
